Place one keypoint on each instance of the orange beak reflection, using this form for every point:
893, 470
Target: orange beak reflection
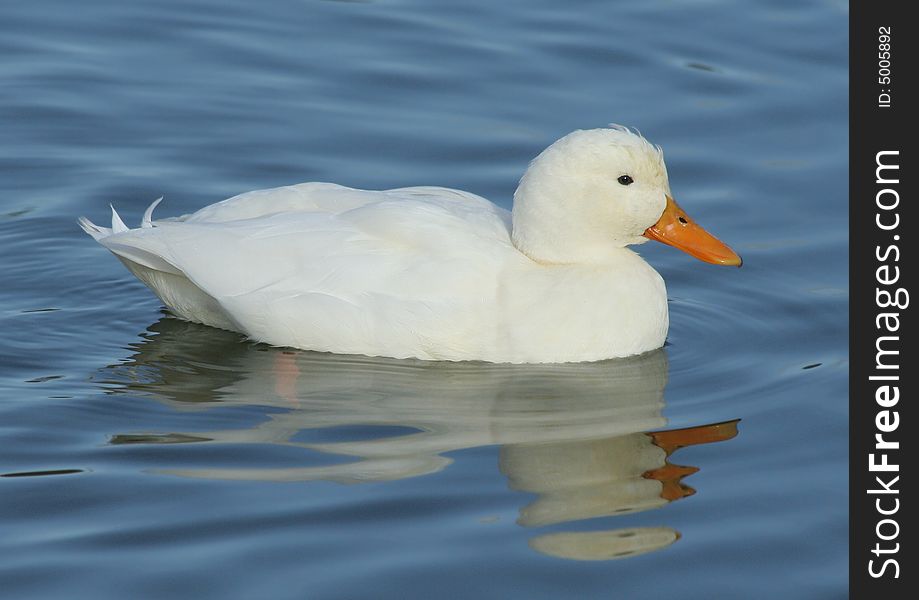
676, 229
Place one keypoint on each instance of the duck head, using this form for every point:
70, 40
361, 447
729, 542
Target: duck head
596, 191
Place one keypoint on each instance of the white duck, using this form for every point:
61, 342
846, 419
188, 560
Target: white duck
434, 273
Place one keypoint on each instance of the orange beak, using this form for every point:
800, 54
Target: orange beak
676, 229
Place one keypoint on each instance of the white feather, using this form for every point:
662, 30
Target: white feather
147, 221
94, 230
118, 225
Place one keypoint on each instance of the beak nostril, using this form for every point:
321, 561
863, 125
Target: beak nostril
683, 220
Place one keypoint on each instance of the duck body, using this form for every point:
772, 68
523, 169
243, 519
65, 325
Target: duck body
423, 272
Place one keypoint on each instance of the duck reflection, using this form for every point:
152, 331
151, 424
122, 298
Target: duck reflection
579, 437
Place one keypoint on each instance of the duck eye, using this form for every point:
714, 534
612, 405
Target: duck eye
625, 180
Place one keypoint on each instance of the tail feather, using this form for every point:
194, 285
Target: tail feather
118, 226
94, 230
147, 221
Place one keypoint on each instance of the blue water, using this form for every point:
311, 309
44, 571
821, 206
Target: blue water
143, 457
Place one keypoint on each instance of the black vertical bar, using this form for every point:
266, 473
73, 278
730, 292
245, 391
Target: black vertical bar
882, 266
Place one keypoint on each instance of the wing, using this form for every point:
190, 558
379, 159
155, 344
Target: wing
331, 198
326, 267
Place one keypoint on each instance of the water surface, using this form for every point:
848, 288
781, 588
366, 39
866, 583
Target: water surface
145, 457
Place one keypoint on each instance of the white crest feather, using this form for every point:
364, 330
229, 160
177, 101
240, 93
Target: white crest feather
637, 132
